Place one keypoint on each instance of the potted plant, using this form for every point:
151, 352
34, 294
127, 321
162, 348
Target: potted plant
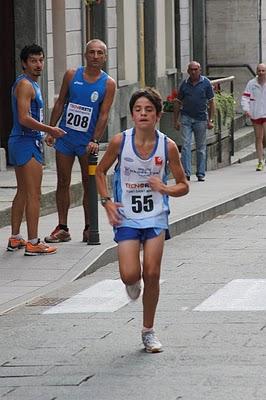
168, 104
225, 106
166, 122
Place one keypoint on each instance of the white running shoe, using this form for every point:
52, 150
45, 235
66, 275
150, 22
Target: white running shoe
133, 291
151, 343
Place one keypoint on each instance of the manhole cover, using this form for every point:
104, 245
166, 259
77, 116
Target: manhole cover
46, 301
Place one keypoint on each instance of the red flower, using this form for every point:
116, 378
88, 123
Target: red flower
168, 103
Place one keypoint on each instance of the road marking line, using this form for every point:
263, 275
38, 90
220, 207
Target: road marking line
105, 296
237, 295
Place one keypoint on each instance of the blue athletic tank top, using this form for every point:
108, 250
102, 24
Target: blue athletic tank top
82, 109
142, 207
36, 110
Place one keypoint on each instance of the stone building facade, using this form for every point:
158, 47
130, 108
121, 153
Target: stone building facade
150, 42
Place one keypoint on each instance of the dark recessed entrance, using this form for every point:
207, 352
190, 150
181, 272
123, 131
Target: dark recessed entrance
7, 68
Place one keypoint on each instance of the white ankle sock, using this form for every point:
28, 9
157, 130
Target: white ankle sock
33, 241
18, 236
147, 329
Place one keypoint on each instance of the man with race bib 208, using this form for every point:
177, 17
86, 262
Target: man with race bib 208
84, 102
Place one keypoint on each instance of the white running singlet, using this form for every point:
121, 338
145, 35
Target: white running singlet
133, 191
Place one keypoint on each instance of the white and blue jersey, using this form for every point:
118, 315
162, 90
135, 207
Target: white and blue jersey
81, 112
142, 207
25, 143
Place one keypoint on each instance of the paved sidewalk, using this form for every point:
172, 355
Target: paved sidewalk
25, 278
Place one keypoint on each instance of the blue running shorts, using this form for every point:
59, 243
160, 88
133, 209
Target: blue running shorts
70, 149
21, 149
142, 234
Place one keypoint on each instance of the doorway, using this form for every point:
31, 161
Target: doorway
7, 68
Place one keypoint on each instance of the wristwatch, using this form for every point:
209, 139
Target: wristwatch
95, 141
104, 200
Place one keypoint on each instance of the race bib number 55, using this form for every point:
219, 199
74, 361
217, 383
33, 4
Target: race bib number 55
78, 117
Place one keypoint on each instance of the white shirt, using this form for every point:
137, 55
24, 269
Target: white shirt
253, 99
142, 207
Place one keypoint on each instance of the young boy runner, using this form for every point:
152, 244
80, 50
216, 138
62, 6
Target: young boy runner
139, 212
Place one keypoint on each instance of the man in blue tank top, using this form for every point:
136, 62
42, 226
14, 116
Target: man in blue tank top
139, 212
25, 152
84, 102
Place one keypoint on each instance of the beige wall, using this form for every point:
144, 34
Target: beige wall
185, 36
263, 33
64, 41
160, 24
232, 31
65, 26
233, 38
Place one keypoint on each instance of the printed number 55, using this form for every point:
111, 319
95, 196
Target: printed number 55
140, 204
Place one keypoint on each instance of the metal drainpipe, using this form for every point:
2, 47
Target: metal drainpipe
260, 32
141, 43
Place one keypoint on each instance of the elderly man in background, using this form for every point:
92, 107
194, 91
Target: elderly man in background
195, 102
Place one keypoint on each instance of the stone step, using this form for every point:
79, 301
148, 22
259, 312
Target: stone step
239, 121
245, 154
243, 138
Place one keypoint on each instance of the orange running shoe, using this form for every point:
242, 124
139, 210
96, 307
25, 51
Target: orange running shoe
15, 244
39, 249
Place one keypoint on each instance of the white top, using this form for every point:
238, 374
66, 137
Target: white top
142, 207
253, 99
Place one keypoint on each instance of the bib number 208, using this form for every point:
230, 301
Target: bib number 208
77, 120
140, 203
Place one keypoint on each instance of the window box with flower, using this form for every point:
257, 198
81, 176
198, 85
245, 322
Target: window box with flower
166, 122
168, 104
